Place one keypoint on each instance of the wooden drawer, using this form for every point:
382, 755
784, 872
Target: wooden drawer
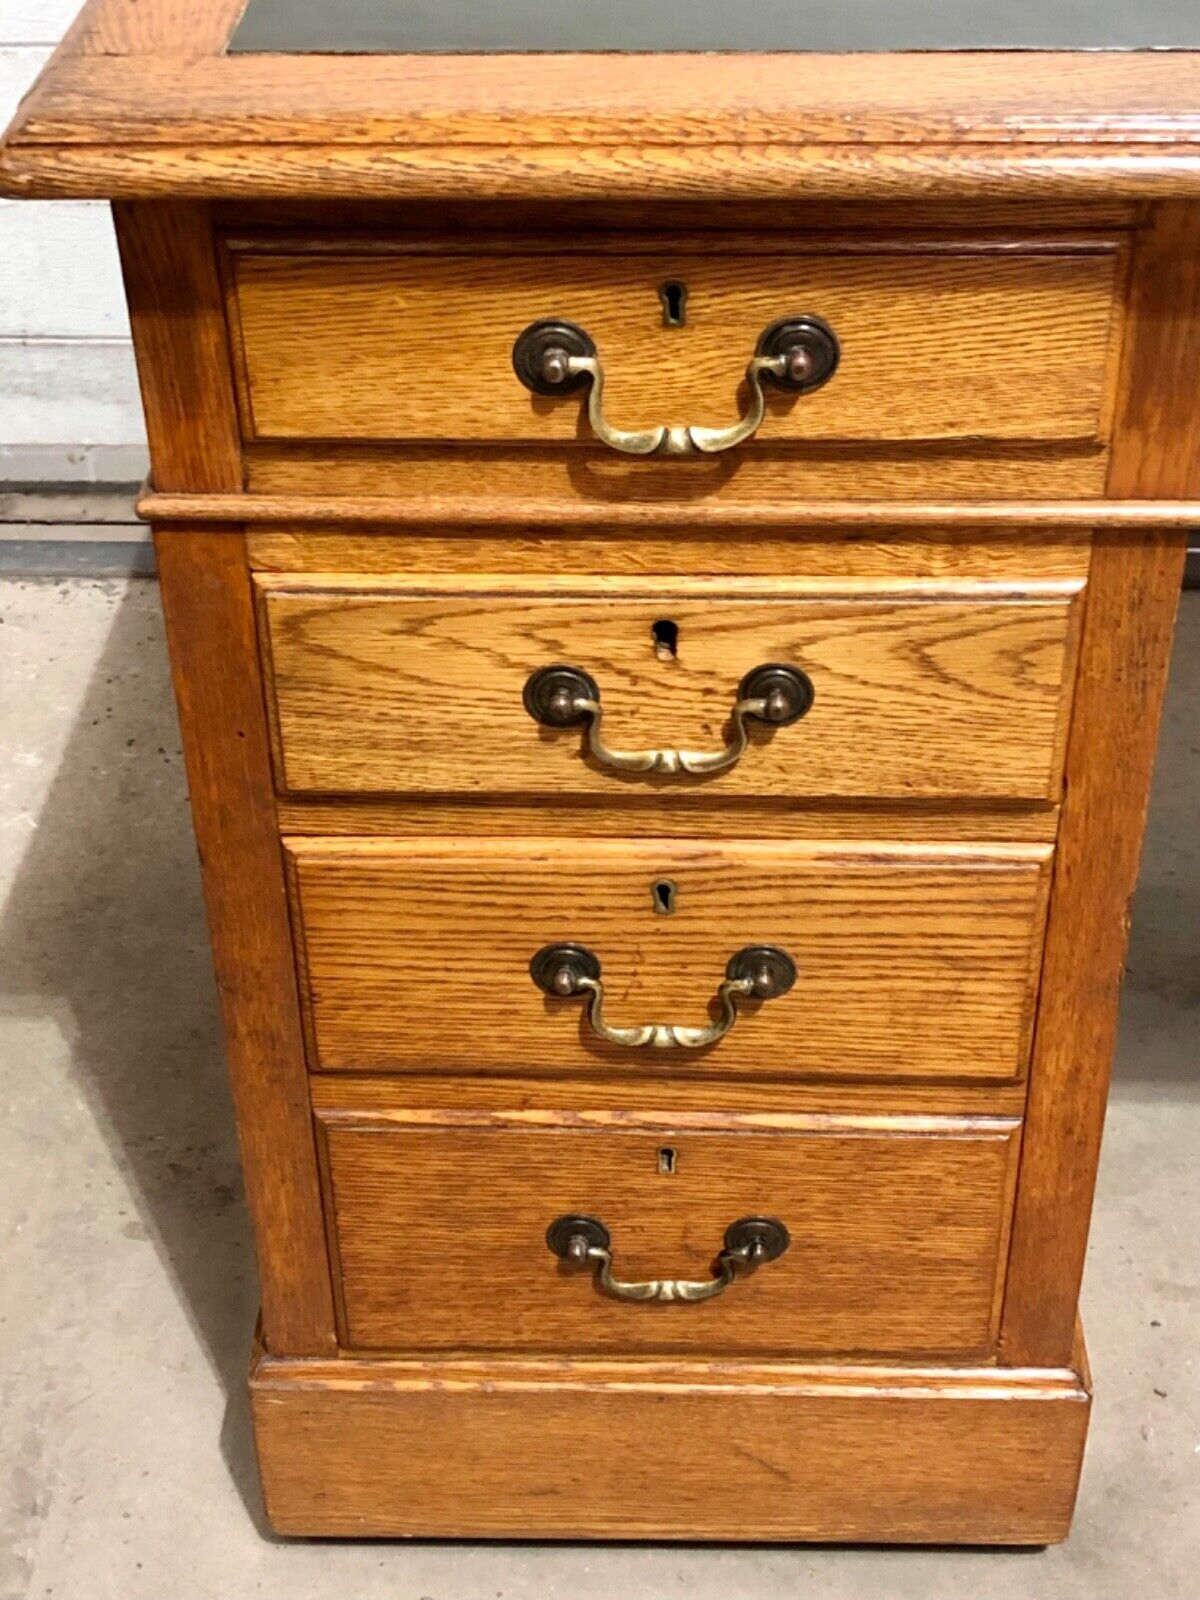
897, 1226
378, 342
919, 690
912, 963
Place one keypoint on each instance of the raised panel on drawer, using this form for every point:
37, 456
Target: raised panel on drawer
897, 1226
914, 962
921, 690
402, 345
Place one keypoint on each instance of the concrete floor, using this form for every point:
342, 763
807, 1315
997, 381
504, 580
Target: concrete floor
129, 1294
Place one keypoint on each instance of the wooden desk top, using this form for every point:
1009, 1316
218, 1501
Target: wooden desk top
145, 99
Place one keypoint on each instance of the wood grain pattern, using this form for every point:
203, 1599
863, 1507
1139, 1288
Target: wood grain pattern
185, 94
178, 330
908, 532
644, 173
210, 632
870, 551
1101, 126
899, 1233
176, 310
568, 482
1126, 648
695, 816
187, 28
919, 692
359, 345
914, 963
689, 1100
668, 1450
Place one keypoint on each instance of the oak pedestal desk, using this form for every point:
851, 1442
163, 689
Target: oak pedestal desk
669, 559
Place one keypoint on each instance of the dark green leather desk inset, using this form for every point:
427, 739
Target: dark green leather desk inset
435, 26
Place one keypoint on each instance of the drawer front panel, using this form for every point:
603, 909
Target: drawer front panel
936, 692
911, 962
407, 346
897, 1234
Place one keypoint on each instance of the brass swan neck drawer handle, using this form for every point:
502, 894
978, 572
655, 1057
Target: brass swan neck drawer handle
796, 354
564, 697
570, 971
749, 1243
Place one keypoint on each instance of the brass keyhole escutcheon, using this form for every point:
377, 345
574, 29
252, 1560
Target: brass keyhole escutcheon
665, 635
664, 896
674, 298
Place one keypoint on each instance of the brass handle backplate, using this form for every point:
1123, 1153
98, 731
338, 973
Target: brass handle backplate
796, 354
570, 971
564, 697
749, 1243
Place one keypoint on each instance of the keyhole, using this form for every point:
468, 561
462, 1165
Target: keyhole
663, 894
674, 304
666, 640
668, 1160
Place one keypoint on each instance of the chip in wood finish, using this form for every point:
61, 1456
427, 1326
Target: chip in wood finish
916, 962
897, 1233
